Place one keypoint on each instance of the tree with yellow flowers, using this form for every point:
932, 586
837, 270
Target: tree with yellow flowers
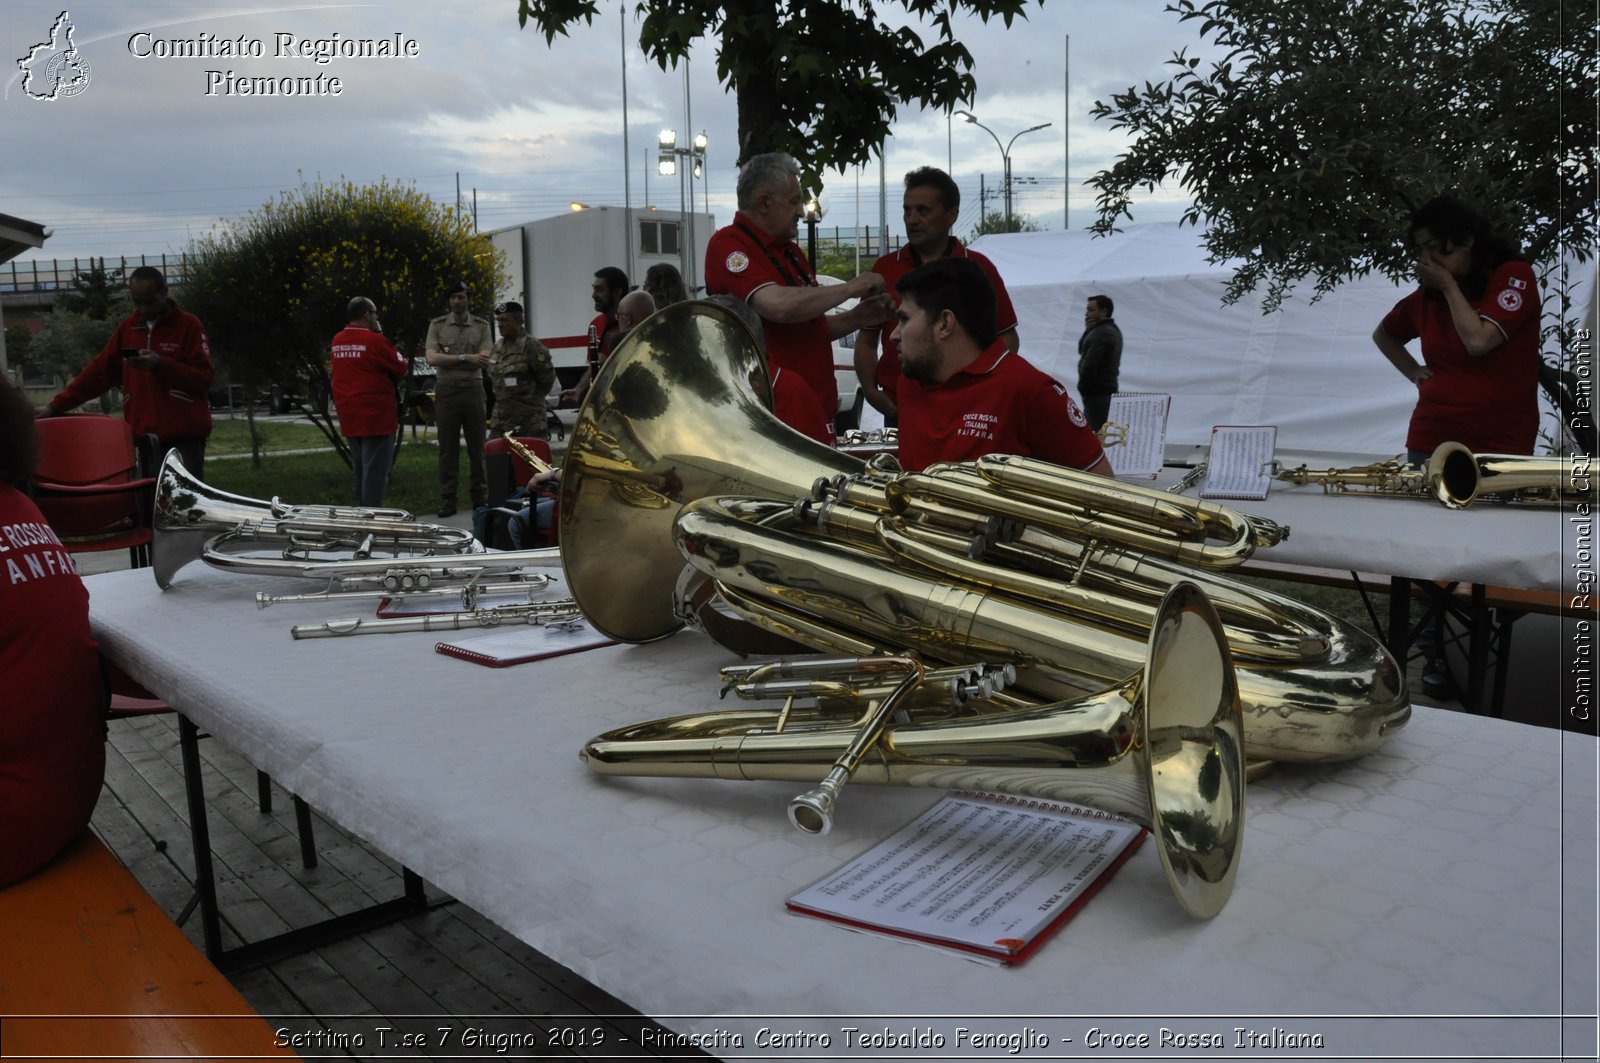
272, 287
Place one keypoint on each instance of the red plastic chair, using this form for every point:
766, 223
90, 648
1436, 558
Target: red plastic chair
520, 471
506, 472
88, 487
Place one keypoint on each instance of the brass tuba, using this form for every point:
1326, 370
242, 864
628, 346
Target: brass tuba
1005, 559
1162, 748
1455, 477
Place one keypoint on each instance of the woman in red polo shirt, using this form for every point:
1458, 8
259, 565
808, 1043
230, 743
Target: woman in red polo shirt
1476, 311
52, 709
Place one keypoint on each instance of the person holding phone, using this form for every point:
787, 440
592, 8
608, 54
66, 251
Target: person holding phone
159, 357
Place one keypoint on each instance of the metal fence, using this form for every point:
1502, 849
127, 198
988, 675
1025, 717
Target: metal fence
58, 274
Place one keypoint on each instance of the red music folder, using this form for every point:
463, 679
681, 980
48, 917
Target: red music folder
521, 643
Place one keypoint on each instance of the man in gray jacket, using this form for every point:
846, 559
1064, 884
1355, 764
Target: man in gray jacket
1099, 358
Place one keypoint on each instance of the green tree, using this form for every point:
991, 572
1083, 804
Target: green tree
821, 81
994, 221
273, 286
19, 344
97, 292
70, 338
839, 260
1323, 124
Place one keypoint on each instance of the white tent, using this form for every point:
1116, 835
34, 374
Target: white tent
1310, 367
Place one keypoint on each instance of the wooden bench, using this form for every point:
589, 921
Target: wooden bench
91, 966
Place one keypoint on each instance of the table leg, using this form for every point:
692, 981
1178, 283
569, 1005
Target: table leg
291, 942
1399, 619
1477, 649
205, 882
1504, 619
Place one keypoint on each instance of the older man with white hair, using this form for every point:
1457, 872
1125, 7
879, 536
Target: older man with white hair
757, 260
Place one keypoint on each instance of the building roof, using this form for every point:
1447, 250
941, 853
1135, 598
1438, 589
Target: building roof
18, 235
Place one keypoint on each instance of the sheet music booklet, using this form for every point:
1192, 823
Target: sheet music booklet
1240, 462
988, 876
1142, 416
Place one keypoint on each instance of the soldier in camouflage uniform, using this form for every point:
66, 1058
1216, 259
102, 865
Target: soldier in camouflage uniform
522, 373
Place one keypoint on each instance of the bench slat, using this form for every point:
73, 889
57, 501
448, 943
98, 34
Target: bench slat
90, 965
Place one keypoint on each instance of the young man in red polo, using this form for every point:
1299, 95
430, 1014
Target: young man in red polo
931, 205
964, 393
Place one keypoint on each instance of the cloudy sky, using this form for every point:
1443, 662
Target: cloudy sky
154, 151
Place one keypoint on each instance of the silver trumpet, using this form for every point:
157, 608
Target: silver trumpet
194, 520
561, 613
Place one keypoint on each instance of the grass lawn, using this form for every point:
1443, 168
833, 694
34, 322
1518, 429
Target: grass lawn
324, 479
231, 435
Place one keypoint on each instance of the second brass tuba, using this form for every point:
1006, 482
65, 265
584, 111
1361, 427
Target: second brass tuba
1162, 748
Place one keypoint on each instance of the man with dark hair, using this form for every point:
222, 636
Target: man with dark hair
963, 393
1099, 359
757, 260
609, 286
458, 347
364, 367
930, 207
160, 359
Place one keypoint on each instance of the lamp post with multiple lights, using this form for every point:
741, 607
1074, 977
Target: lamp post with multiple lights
667, 157
1005, 154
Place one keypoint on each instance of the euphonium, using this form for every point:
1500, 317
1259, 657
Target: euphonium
953, 563
1456, 477
1162, 748
194, 520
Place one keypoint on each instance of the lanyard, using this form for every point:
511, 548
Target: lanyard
804, 279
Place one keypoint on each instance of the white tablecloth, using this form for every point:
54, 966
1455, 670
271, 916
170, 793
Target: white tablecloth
1447, 880
1490, 543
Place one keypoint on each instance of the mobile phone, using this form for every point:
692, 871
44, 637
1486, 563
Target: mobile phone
130, 352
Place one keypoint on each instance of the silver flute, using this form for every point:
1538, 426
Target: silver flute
561, 613
469, 593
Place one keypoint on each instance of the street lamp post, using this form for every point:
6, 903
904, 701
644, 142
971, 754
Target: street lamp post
667, 165
1005, 154
813, 215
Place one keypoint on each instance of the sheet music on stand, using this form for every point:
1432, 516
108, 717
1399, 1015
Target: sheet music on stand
1240, 462
1141, 420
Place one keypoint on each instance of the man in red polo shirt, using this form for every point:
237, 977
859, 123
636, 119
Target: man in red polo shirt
609, 286
365, 368
757, 260
931, 205
963, 393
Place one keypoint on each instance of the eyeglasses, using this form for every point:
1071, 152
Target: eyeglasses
149, 300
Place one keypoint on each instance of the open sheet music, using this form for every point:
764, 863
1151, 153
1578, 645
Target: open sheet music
983, 874
1141, 420
1240, 462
